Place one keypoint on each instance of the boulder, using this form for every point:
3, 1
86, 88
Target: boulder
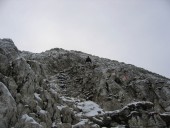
8, 107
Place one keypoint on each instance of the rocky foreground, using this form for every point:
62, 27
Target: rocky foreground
57, 89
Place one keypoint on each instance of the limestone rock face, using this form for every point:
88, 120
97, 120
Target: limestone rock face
8, 52
58, 89
7, 107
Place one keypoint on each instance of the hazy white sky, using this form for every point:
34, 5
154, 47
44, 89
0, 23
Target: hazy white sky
130, 31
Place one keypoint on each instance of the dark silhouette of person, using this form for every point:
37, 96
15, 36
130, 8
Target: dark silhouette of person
88, 60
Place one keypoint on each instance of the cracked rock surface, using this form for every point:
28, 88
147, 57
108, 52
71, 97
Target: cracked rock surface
57, 89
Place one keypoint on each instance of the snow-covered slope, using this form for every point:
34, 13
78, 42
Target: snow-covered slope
57, 89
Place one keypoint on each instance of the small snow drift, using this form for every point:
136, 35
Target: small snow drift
89, 108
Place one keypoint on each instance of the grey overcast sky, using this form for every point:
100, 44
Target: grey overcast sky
132, 31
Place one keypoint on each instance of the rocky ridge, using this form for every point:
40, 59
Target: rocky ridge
57, 89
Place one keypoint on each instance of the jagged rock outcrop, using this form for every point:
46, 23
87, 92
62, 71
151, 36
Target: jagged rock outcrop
58, 89
8, 108
136, 114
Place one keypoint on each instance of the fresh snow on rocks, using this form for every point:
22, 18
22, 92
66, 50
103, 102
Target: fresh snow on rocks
89, 108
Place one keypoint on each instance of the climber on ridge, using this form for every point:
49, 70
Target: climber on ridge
88, 60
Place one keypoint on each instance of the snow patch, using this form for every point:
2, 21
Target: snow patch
82, 122
37, 96
29, 119
110, 112
165, 114
139, 102
53, 85
54, 124
43, 112
89, 108
69, 99
61, 107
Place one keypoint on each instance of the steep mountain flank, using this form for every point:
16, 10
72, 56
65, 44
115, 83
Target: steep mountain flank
57, 89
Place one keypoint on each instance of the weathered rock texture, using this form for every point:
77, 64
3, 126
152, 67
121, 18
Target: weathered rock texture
57, 89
